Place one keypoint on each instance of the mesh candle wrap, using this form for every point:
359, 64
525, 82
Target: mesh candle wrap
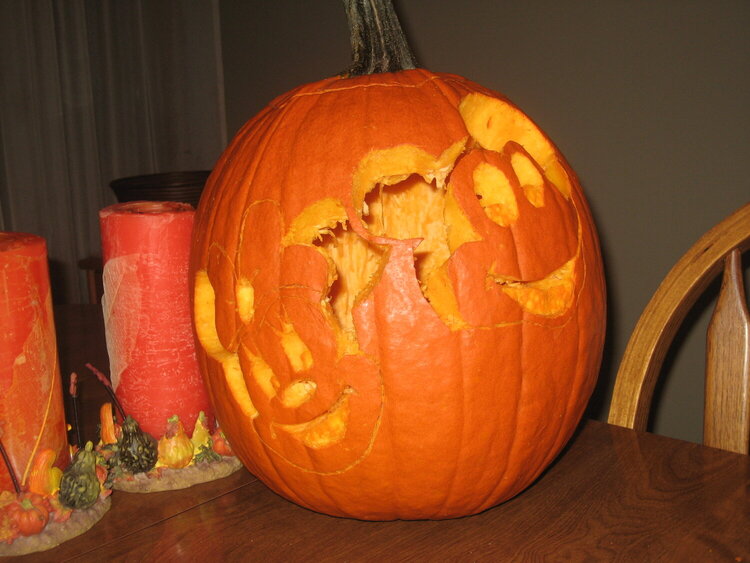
32, 416
146, 303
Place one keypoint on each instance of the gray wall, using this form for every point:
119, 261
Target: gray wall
648, 100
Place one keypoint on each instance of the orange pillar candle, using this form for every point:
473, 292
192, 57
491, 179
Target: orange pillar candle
32, 415
154, 370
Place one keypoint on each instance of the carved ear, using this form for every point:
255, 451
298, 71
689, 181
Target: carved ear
494, 123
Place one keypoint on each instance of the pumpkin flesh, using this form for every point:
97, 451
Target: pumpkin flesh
398, 296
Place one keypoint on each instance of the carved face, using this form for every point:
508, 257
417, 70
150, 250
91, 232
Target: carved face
399, 296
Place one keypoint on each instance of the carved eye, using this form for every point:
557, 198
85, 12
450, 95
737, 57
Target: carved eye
529, 177
495, 194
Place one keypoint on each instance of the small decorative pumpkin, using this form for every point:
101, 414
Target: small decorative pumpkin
29, 514
398, 291
220, 444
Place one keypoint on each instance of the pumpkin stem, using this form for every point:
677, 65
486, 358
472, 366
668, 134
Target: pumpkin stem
378, 42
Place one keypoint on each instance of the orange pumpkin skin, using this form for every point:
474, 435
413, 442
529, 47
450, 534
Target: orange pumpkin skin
436, 392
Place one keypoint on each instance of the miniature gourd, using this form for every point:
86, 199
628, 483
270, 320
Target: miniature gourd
79, 485
201, 436
136, 450
175, 447
44, 478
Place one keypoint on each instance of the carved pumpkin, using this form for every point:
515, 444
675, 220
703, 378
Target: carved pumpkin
398, 296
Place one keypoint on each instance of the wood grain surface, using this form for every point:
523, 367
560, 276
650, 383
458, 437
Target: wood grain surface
614, 494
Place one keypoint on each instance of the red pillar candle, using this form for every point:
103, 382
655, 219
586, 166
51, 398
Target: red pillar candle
154, 370
32, 416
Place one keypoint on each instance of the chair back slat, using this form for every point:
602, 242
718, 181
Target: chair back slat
726, 421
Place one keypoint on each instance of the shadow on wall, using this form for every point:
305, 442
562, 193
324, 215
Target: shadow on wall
599, 403
57, 280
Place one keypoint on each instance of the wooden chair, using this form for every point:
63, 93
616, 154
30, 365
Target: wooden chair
92, 266
726, 423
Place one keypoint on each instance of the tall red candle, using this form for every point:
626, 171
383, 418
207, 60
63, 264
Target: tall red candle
154, 370
32, 415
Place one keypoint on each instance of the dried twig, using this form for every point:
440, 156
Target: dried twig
74, 400
105, 381
12, 473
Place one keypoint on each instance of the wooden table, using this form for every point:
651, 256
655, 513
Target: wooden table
613, 494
